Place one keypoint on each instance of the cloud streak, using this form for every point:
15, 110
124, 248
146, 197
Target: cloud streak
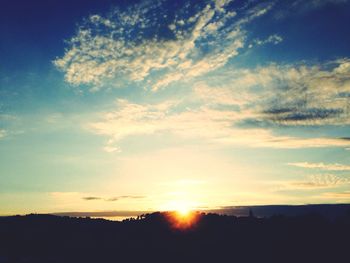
273, 39
289, 95
3, 133
338, 195
91, 198
312, 182
322, 166
112, 199
213, 125
320, 181
301, 7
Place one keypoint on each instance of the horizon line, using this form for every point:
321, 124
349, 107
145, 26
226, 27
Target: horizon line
132, 213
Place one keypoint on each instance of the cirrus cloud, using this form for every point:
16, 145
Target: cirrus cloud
300, 94
112, 199
322, 166
204, 122
148, 42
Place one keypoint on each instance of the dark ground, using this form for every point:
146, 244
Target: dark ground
214, 238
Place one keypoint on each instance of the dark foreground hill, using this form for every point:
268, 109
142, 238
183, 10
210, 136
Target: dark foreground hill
152, 238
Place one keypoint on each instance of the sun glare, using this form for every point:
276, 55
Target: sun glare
183, 220
182, 216
183, 212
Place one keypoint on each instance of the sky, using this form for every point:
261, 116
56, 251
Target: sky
121, 106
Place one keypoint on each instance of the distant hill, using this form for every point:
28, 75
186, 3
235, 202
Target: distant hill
153, 238
330, 211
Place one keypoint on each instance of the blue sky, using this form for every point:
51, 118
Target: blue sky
155, 105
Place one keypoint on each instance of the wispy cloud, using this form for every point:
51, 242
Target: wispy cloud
91, 198
273, 39
2, 133
313, 4
148, 42
9, 124
234, 105
300, 7
338, 195
202, 122
322, 166
311, 95
311, 182
321, 181
112, 199
287, 95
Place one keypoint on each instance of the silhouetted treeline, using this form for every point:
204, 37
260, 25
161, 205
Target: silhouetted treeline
151, 238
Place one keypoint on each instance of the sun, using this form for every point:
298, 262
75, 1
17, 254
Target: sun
182, 208
182, 216
183, 220
183, 211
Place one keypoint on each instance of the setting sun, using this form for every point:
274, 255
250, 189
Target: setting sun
183, 212
181, 207
183, 219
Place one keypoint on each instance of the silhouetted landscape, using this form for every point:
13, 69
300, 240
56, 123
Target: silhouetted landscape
309, 237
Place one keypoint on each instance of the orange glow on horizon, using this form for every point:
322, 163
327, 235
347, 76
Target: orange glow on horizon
183, 219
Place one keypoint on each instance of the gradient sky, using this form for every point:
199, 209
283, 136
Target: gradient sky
154, 105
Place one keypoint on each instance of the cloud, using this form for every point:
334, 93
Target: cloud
243, 107
336, 195
288, 95
224, 94
265, 138
156, 45
202, 122
3, 133
149, 42
300, 7
111, 149
321, 181
311, 182
91, 198
9, 124
313, 4
322, 166
273, 39
132, 196
112, 199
